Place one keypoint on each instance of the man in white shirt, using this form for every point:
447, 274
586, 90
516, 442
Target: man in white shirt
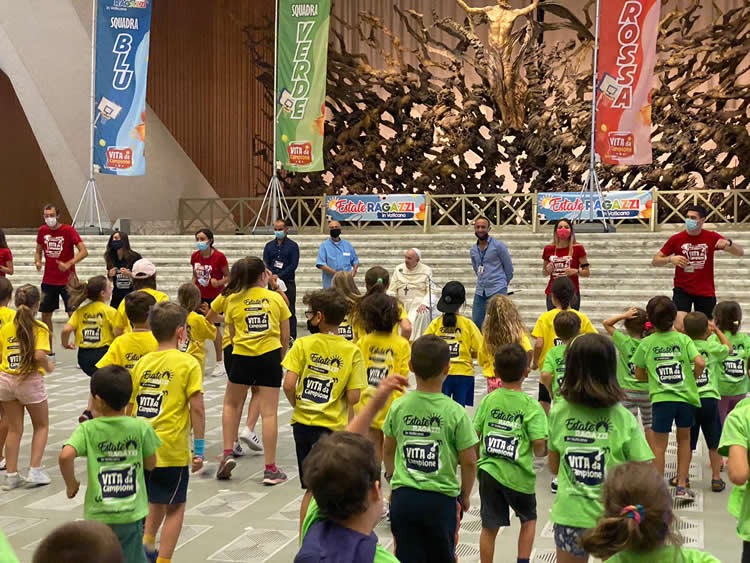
413, 285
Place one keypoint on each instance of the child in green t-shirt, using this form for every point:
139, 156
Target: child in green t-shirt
638, 523
714, 346
117, 448
427, 434
636, 398
512, 428
670, 362
567, 326
589, 434
735, 443
733, 375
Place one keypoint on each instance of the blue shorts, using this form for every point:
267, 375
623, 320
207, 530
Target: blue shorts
663, 414
707, 420
460, 388
167, 485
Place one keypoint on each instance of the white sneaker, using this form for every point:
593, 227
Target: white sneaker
251, 439
2, 465
38, 477
237, 449
12, 482
386, 510
219, 370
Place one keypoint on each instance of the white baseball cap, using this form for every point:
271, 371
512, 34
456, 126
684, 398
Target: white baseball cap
144, 268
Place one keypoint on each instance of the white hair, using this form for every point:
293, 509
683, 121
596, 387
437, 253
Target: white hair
416, 251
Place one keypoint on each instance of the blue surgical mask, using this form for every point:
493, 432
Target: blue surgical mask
201, 245
279, 234
691, 224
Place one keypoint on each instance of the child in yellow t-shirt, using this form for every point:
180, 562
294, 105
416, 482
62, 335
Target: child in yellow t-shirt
127, 349
93, 325
198, 328
6, 316
324, 377
385, 354
24, 349
144, 279
502, 326
464, 340
168, 394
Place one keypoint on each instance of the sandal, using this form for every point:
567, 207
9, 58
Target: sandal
684, 493
673, 482
718, 485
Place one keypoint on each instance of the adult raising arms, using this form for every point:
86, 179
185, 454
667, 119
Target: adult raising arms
210, 274
565, 257
120, 258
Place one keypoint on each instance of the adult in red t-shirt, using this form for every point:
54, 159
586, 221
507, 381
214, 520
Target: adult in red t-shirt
210, 274
57, 243
565, 257
692, 253
6, 257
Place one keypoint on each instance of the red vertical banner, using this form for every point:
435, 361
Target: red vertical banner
628, 31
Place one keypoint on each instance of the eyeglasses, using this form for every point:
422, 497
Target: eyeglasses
309, 315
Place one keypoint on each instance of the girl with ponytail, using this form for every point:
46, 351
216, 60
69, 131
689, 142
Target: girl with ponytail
24, 358
463, 338
377, 280
93, 323
638, 523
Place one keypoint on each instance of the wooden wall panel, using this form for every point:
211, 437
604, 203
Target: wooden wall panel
27, 183
203, 85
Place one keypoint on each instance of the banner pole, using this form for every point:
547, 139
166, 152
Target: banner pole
92, 98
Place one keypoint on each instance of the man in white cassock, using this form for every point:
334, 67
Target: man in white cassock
413, 285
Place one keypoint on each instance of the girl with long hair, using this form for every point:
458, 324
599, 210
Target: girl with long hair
120, 258
565, 257
344, 282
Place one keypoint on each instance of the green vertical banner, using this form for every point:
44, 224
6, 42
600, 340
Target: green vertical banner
302, 69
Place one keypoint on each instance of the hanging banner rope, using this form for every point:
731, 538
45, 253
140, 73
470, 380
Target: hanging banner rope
627, 55
123, 30
302, 67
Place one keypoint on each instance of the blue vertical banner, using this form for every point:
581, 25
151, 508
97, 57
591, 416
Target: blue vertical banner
123, 30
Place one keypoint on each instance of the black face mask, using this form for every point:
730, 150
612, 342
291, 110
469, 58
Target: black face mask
335, 233
312, 328
116, 245
484, 236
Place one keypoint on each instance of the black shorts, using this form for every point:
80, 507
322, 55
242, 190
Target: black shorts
667, 412
418, 538
263, 370
87, 358
51, 298
544, 394
497, 500
209, 300
707, 419
228, 358
305, 437
684, 301
167, 485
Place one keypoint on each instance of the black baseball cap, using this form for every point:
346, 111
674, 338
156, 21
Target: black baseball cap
453, 296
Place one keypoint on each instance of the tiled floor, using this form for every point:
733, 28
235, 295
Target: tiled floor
241, 520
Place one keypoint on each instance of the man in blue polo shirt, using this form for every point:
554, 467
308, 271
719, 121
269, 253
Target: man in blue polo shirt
281, 256
492, 265
336, 255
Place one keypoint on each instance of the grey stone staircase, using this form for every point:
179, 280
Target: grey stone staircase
621, 273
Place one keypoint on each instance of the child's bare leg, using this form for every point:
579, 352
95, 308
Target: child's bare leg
487, 539
661, 439
3, 431
170, 532
155, 517
303, 509
39, 413
14, 413
526, 539
683, 456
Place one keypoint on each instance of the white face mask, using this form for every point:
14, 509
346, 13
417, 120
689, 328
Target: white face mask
51, 221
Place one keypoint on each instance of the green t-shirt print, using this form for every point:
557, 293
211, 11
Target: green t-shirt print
733, 379
668, 358
115, 448
714, 352
554, 363
508, 422
590, 442
626, 346
430, 429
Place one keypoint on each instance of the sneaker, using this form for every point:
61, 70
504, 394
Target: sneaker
219, 370
386, 510
37, 477
225, 468
151, 556
237, 449
684, 493
553, 486
273, 477
2, 465
85, 415
251, 439
12, 482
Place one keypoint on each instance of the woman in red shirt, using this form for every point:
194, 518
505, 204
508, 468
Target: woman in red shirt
6, 258
210, 274
565, 257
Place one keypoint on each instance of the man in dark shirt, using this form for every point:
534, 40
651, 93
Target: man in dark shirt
281, 256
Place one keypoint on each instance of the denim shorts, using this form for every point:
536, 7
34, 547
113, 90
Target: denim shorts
567, 539
664, 413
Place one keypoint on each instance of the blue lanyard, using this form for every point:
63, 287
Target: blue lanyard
483, 252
